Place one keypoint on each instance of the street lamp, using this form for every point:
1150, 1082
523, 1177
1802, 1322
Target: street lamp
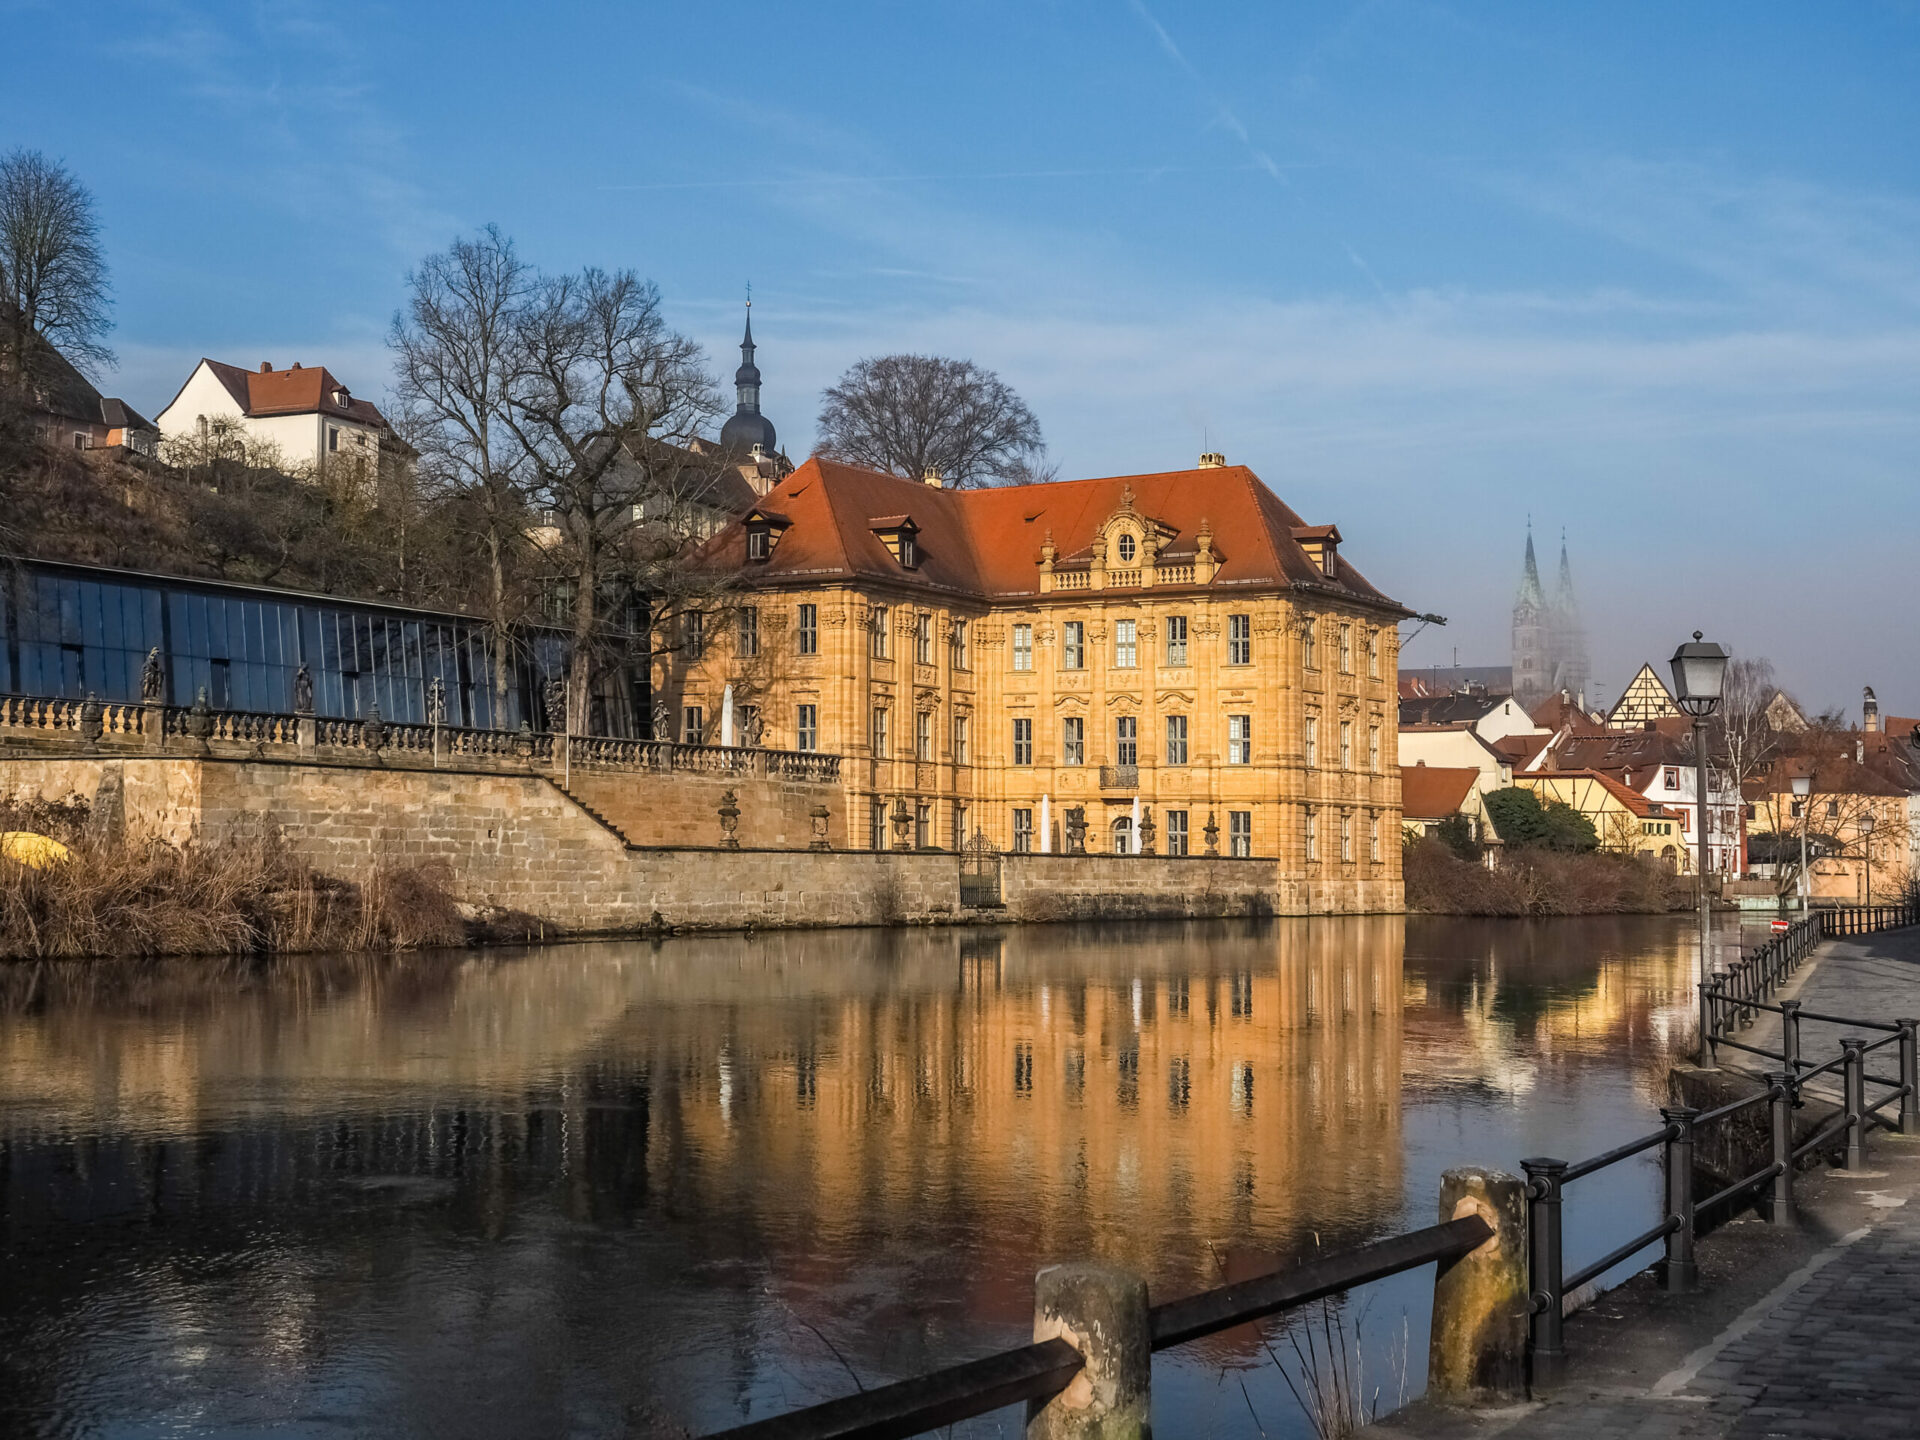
1699, 672
1802, 788
1866, 831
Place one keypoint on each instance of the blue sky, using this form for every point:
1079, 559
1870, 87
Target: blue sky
1650, 273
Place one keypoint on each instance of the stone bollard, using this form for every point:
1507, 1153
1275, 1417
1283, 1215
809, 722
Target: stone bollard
1478, 1349
1101, 1311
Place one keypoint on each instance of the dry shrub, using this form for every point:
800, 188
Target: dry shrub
1538, 882
240, 897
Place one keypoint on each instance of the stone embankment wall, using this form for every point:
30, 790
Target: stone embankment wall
683, 808
522, 842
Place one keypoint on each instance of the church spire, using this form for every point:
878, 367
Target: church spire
1530, 591
746, 380
747, 429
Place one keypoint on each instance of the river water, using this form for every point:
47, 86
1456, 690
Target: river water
657, 1188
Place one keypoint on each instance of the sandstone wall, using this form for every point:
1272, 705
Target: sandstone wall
681, 808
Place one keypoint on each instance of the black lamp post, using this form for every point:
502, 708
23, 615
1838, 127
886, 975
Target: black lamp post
1699, 673
1867, 822
1802, 790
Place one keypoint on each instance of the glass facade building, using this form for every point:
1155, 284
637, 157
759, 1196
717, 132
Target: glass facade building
67, 630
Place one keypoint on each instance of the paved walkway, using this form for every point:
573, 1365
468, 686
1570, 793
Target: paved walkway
1810, 1333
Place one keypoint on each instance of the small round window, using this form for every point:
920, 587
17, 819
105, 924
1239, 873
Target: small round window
1126, 547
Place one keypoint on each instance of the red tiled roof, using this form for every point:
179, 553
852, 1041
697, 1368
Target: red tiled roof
299, 390
1432, 792
987, 542
1558, 710
1633, 800
1519, 750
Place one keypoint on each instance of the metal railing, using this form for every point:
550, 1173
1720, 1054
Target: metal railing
1040, 1371
1861, 919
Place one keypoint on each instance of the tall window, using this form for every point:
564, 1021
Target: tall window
1073, 741
1023, 742
1023, 832
1239, 639
1373, 654
1310, 741
1176, 640
923, 639
923, 735
1346, 649
959, 827
693, 634
1346, 836
877, 825
1240, 833
1073, 645
749, 623
1125, 651
922, 826
878, 734
1373, 839
806, 729
1373, 748
1176, 739
693, 726
1310, 645
1310, 836
1023, 647
877, 633
1126, 740
809, 631
1239, 739
1176, 832
1346, 744
959, 645
961, 724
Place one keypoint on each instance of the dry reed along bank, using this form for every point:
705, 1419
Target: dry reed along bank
232, 898
1539, 882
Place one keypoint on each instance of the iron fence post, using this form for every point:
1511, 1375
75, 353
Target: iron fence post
1780, 1107
1854, 1073
1682, 1273
1790, 1036
1546, 1345
1909, 1076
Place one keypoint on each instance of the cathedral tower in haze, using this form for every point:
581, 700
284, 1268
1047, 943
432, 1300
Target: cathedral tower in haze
1549, 638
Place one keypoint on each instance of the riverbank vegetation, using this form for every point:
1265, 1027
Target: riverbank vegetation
1538, 881
251, 897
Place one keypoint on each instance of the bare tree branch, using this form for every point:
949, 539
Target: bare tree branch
908, 414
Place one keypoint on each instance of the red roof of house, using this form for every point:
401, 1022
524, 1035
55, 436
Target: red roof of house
297, 390
1639, 804
1433, 792
987, 542
1558, 710
1519, 750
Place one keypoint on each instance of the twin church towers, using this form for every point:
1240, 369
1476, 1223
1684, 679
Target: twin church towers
1549, 640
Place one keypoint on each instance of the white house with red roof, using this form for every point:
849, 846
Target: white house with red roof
306, 413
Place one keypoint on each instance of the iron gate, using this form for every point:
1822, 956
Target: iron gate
980, 874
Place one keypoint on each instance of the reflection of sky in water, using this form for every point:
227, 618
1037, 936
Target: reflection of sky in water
623, 1189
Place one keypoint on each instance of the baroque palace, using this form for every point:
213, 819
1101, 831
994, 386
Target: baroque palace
1170, 664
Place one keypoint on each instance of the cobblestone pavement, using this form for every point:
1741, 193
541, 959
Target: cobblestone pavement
1832, 1351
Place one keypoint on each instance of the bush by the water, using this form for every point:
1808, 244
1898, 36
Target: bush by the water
1524, 821
1538, 882
233, 898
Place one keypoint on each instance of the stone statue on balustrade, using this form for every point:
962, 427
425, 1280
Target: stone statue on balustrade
303, 691
152, 677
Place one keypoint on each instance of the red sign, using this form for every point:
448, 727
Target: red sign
1783, 924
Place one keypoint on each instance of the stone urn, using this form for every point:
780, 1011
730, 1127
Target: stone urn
1077, 830
819, 815
902, 826
729, 820
1212, 833
200, 720
523, 741
373, 730
92, 722
1148, 830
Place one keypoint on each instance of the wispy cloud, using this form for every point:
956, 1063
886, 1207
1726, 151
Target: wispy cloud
1223, 113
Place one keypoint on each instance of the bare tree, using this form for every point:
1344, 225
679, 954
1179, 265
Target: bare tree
455, 347
1741, 734
909, 414
53, 278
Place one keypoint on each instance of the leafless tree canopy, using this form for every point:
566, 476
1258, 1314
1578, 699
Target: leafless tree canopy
53, 278
910, 413
1741, 732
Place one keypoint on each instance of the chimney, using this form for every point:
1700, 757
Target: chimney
295, 365
266, 367
1212, 460
931, 476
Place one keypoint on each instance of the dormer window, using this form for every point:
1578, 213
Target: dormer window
764, 528
901, 537
909, 557
1322, 546
759, 543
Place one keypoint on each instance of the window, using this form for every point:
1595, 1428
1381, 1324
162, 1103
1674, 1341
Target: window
1309, 647
1346, 744
806, 728
923, 735
877, 825
1239, 739
878, 734
1023, 647
1373, 748
909, 552
693, 726
759, 541
961, 724
1122, 832
1670, 778
1023, 742
1310, 836
1126, 740
1023, 832
1373, 654
959, 827
1373, 839
1799, 809
809, 631
749, 624
1239, 640
1125, 651
1126, 548
693, 634
1176, 739
1073, 741
959, 645
1176, 832
82, 440
333, 437
877, 633
923, 639
1176, 640
922, 826
1310, 741
1073, 645
1346, 649
1240, 833
1346, 837
1833, 809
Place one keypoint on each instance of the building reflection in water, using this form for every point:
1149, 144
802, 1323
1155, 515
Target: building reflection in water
612, 1187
